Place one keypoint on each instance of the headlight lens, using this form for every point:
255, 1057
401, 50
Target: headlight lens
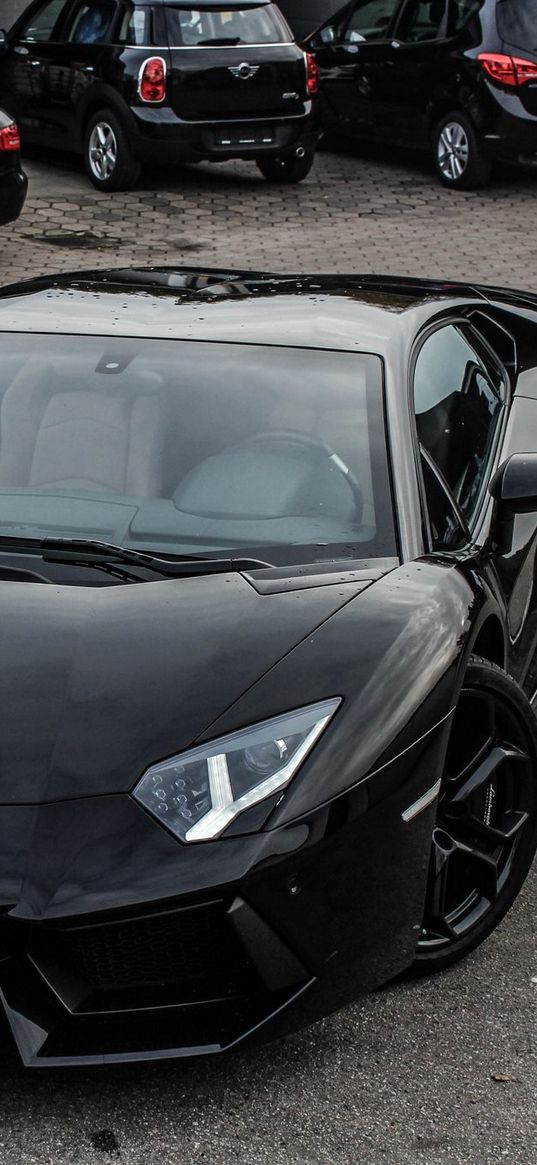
198, 793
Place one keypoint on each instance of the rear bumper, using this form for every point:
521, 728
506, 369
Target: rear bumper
13, 188
159, 136
508, 130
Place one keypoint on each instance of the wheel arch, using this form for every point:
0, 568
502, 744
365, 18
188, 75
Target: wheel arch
489, 641
103, 97
459, 102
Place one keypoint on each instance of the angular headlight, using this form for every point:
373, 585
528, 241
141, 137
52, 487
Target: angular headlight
198, 793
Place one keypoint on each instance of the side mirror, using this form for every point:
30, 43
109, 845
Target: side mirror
514, 485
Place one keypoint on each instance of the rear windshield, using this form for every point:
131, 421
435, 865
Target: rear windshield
517, 23
224, 26
193, 447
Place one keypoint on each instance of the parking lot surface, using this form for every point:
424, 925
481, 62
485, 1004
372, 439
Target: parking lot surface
437, 1073
357, 211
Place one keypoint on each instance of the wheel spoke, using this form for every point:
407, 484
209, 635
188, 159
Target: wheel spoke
482, 773
435, 920
468, 825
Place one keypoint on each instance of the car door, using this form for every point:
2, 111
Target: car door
414, 64
351, 54
467, 424
80, 58
28, 67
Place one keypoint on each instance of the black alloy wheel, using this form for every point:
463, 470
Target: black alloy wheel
108, 159
458, 155
288, 168
485, 835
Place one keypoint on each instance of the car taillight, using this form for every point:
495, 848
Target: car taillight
9, 138
312, 75
152, 82
512, 71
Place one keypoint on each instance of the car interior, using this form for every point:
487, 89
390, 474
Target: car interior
163, 453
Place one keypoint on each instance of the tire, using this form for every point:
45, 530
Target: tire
485, 834
458, 155
108, 158
287, 169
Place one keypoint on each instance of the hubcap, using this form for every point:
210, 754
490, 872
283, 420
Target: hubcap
453, 151
484, 806
102, 151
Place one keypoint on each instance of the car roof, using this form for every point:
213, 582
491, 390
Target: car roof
347, 312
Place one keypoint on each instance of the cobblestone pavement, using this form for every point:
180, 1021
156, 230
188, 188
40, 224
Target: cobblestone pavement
357, 211
440, 1073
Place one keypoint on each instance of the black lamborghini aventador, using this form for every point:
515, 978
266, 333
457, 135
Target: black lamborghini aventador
267, 562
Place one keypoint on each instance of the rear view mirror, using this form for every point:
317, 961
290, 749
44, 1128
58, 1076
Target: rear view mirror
514, 485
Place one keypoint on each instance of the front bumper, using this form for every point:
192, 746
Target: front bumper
117, 943
13, 189
159, 136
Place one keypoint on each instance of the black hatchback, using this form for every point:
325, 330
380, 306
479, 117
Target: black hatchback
455, 76
134, 81
13, 181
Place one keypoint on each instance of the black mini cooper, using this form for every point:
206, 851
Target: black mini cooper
131, 81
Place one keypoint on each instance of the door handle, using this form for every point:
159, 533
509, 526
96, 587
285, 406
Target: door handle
35, 64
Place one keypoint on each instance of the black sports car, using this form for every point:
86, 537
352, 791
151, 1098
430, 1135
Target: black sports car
267, 561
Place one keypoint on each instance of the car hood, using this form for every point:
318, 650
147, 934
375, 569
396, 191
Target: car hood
97, 683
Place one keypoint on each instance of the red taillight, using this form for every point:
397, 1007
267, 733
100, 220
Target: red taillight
312, 75
525, 70
152, 84
9, 138
512, 71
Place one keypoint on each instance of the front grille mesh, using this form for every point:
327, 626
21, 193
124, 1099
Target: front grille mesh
187, 948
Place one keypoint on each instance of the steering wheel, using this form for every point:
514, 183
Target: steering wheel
308, 441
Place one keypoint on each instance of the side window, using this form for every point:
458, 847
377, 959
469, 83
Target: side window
91, 22
43, 21
135, 26
370, 20
461, 13
458, 403
421, 20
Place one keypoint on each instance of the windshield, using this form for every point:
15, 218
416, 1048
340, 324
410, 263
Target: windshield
183, 447
248, 26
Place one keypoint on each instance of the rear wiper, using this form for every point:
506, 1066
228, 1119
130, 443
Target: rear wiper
102, 555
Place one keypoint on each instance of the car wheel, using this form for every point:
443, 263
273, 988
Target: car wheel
459, 158
288, 168
109, 162
485, 834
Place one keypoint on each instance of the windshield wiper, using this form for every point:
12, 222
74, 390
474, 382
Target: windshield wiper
102, 555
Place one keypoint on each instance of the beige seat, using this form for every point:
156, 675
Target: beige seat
104, 437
